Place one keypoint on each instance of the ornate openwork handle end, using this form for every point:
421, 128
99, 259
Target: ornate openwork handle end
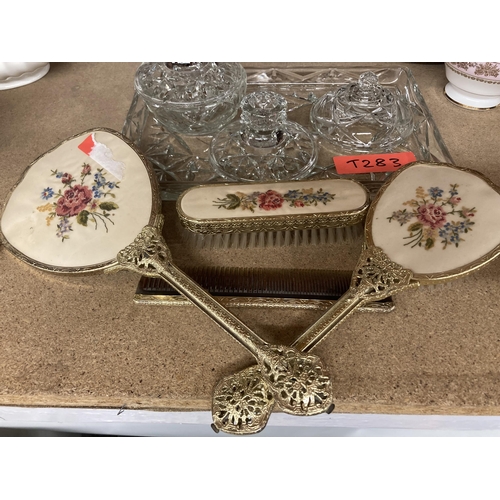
378, 277
242, 403
300, 385
147, 254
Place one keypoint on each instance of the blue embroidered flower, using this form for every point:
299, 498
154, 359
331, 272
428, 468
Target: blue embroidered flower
47, 193
63, 227
465, 225
100, 180
401, 216
111, 185
59, 175
435, 192
322, 196
95, 192
445, 230
293, 194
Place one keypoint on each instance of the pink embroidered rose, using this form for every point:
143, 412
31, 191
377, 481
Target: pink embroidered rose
468, 212
66, 178
73, 201
431, 215
270, 200
298, 203
86, 169
455, 200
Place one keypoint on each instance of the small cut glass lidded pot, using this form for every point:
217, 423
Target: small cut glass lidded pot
263, 145
363, 117
192, 98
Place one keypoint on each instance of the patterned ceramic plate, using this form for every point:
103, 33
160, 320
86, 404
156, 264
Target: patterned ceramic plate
79, 204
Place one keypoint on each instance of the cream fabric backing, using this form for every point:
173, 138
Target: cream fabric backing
474, 193
26, 229
198, 203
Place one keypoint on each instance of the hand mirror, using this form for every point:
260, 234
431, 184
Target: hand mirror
430, 223
91, 203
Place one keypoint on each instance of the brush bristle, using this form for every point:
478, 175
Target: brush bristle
331, 235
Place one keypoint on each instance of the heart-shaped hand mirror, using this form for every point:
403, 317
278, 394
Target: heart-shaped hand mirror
80, 203
430, 223
92, 203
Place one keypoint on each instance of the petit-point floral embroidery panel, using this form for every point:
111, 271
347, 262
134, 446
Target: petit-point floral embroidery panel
435, 216
273, 200
87, 200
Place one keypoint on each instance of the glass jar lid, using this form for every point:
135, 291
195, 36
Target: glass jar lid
263, 145
174, 82
192, 98
363, 116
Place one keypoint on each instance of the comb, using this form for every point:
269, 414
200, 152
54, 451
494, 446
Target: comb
259, 287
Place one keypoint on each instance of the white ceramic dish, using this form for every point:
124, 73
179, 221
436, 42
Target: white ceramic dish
17, 74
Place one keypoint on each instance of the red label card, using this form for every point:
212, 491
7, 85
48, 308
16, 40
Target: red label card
87, 145
366, 164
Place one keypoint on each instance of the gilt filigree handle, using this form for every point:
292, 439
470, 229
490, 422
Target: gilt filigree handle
297, 381
241, 403
147, 255
376, 277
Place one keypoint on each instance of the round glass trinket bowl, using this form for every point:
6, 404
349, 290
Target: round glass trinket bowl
192, 98
263, 145
363, 117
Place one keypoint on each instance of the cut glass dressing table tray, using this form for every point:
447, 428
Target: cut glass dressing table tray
182, 162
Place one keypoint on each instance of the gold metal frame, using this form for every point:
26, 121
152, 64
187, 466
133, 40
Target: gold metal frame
155, 208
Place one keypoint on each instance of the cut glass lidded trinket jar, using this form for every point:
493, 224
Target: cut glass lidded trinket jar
263, 145
192, 98
363, 116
